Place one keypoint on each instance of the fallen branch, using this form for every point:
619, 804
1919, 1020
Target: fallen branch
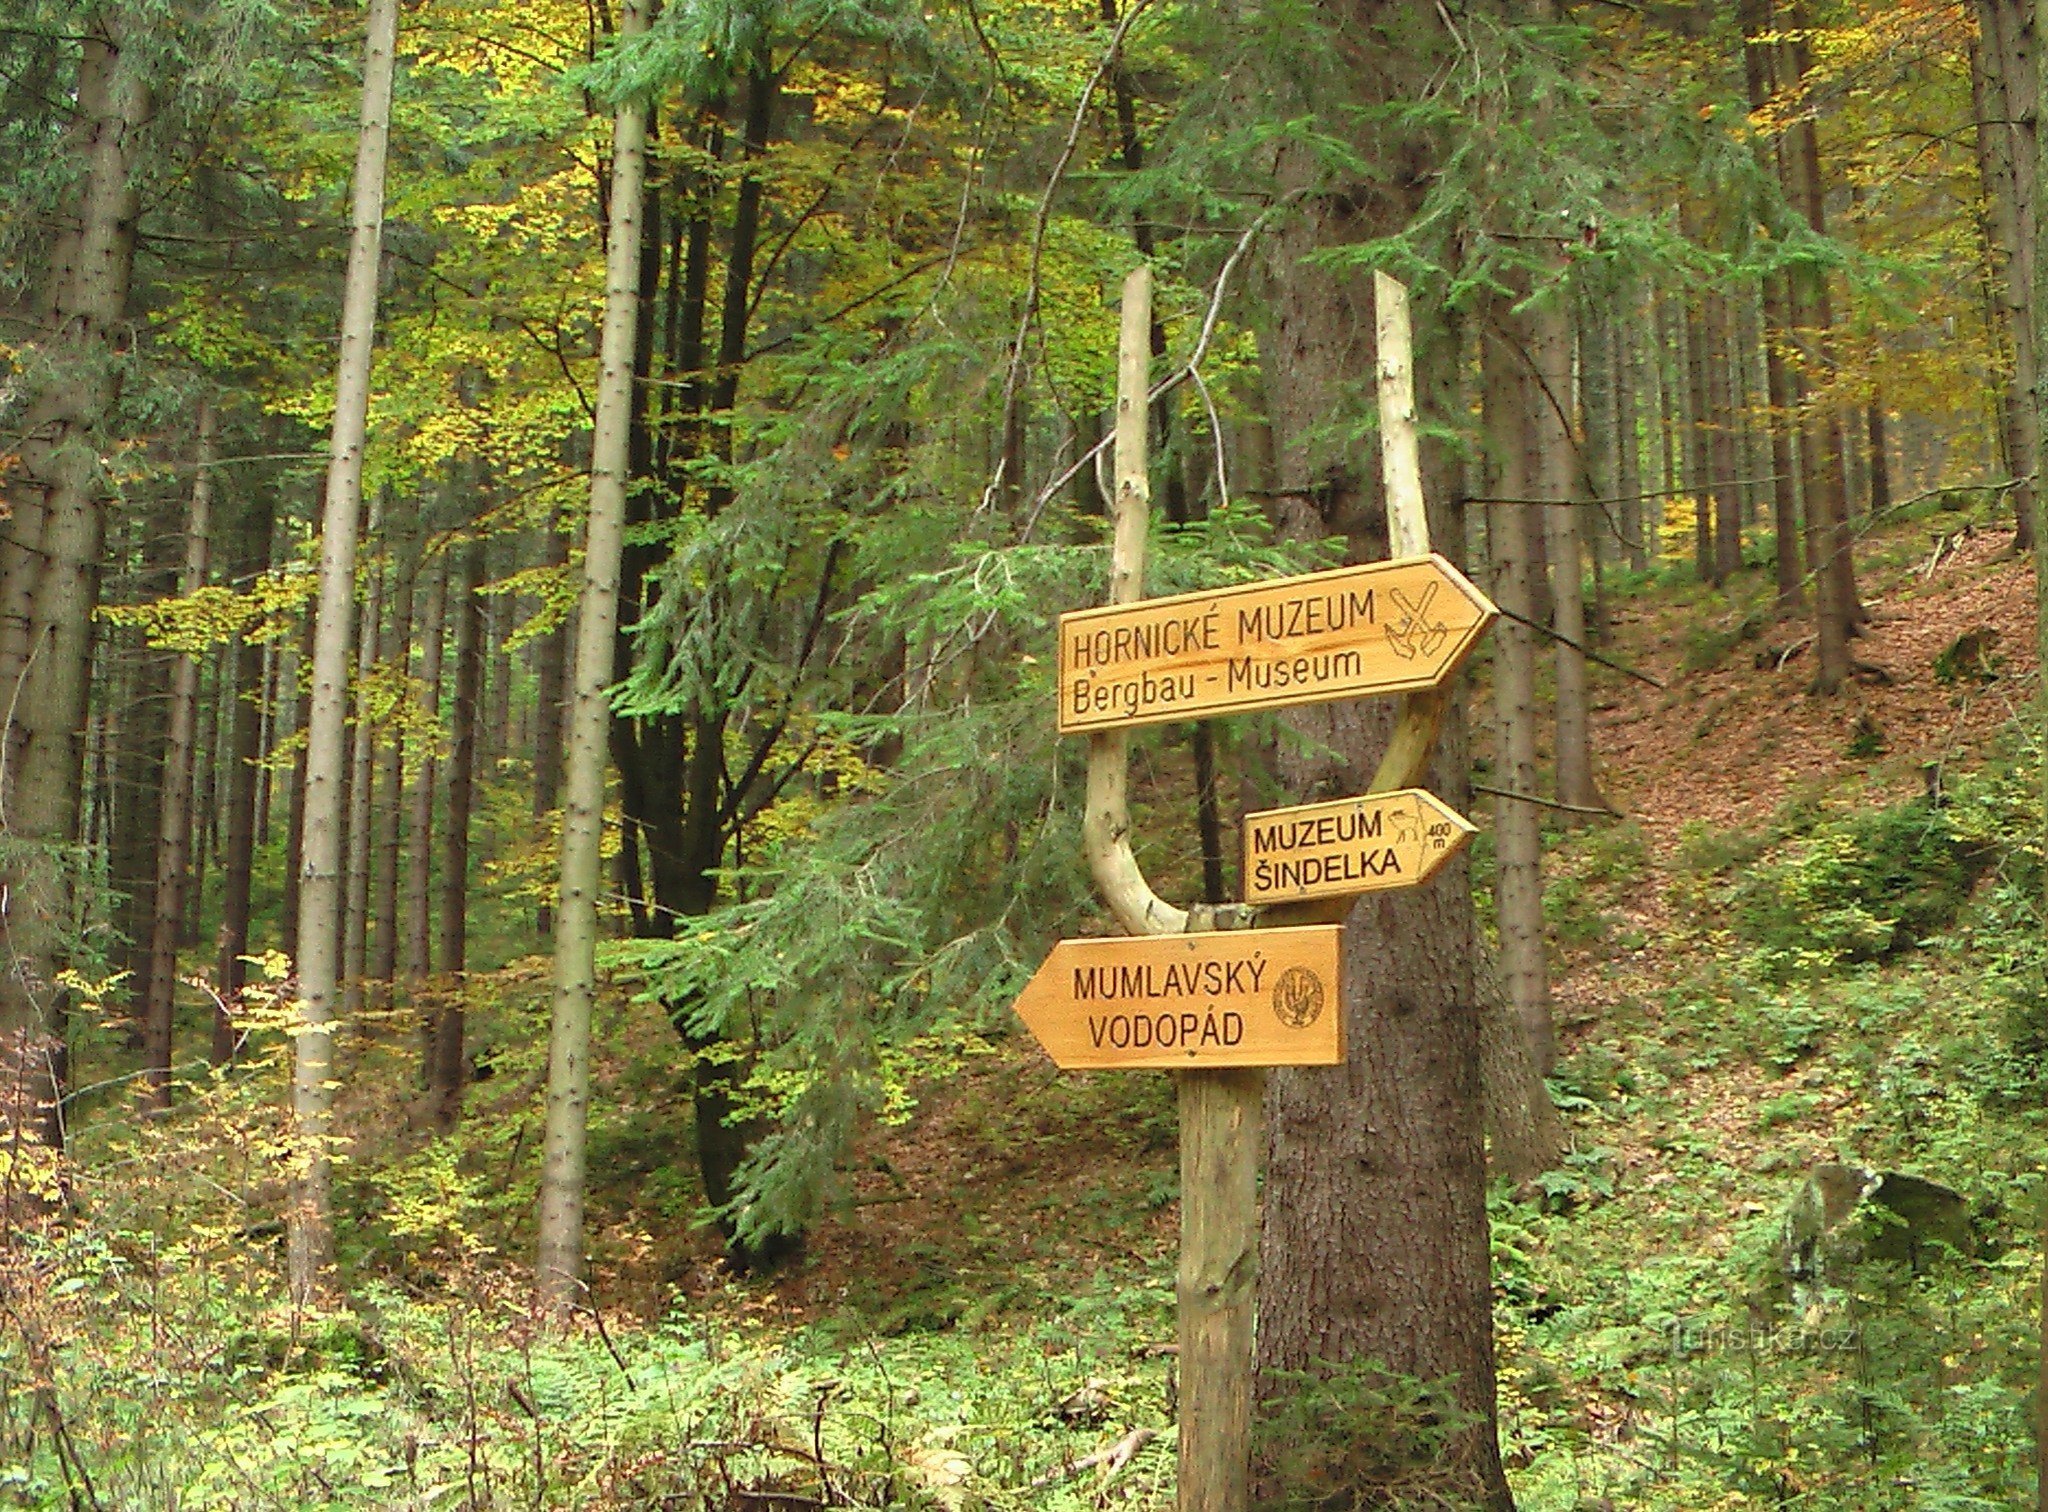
1112, 1460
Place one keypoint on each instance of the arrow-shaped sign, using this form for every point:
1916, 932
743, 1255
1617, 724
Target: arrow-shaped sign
1266, 997
1354, 845
1384, 627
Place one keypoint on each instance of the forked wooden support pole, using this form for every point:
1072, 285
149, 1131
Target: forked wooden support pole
1219, 1110
1221, 1134
1407, 755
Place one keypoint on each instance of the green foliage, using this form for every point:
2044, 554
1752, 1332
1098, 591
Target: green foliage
1863, 886
1709, 640
884, 938
1307, 1439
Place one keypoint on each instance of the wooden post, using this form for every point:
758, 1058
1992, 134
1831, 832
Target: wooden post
1221, 1133
1219, 1110
1407, 755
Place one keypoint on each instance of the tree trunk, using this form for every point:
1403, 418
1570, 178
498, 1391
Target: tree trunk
2005, 90
1525, 1137
1628, 477
1699, 460
1518, 832
292, 676
268, 697
174, 824
1553, 478
494, 701
208, 756
396, 654
2035, 335
139, 676
1201, 737
1669, 369
560, 1248
49, 581
1373, 1246
547, 710
1598, 465
444, 1073
320, 892
355, 928
1722, 439
430, 604
1759, 59
1828, 542
1879, 455
245, 751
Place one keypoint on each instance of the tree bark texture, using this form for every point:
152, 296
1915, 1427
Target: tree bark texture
238, 824
430, 604
1830, 545
49, 577
445, 1070
292, 677
1518, 831
1554, 471
1373, 1249
396, 654
174, 812
548, 669
1634, 517
355, 928
311, 1230
2005, 91
560, 1245
1723, 436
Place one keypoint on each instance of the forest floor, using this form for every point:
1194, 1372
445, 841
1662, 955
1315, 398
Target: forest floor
1781, 954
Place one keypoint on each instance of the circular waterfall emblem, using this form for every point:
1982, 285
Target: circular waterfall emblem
1298, 997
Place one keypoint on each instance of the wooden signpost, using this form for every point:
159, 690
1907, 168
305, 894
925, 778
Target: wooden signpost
1191, 990
1190, 1001
1354, 845
1383, 627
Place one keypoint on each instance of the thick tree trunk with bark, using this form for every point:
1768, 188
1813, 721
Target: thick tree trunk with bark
174, 822
49, 578
311, 1231
560, 1259
2005, 90
1830, 543
1373, 1249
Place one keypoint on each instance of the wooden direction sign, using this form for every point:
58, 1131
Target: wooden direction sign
1354, 845
1383, 627
1264, 997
